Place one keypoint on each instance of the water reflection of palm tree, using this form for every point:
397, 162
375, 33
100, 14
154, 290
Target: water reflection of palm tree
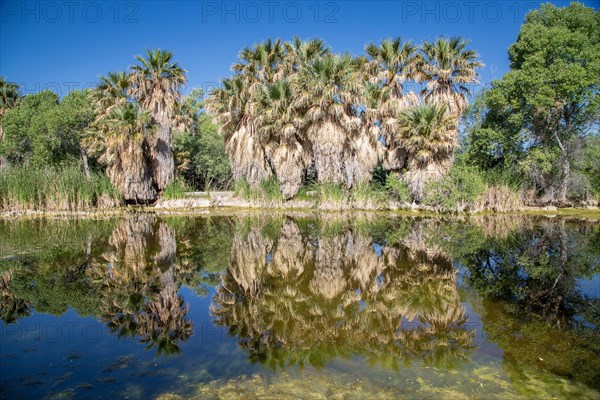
313, 301
139, 284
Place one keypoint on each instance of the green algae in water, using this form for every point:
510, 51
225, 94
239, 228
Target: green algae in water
482, 383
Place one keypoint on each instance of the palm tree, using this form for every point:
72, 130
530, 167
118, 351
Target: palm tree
448, 67
366, 145
261, 64
156, 83
122, 138
428, 134
300, 53
390, 65
231, 105
10, 95
278, 123
111, 91
327, 91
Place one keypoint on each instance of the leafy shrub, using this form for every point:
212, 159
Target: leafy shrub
461, 186
201, 159
397, 189
589, 164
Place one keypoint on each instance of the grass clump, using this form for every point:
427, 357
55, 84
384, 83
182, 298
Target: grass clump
331, 196
242, 188
368, 196
58, 189
175, 190
268, 191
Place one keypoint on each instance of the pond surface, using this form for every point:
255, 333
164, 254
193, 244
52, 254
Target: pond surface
293, 306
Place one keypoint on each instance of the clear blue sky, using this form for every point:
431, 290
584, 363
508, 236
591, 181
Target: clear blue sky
67, 44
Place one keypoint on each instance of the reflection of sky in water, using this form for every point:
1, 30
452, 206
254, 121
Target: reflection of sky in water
589, 287
43, 351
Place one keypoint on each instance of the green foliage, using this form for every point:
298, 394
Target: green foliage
175, 190
42, 131
533, 119
462, 185
200, 150
556, 58
488, 148
589, 163
65, 188
397, 188
539, 164
503, 177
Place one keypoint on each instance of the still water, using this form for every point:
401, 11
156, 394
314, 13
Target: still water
299, 306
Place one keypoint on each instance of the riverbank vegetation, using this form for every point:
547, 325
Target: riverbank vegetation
403, 122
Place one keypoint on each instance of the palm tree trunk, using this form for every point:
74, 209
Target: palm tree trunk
288, 163
132, 176
247, 156
162, 161
329, 153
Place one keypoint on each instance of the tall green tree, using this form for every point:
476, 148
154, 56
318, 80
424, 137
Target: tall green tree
200, 156
43, 131
551, 93
10, 95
